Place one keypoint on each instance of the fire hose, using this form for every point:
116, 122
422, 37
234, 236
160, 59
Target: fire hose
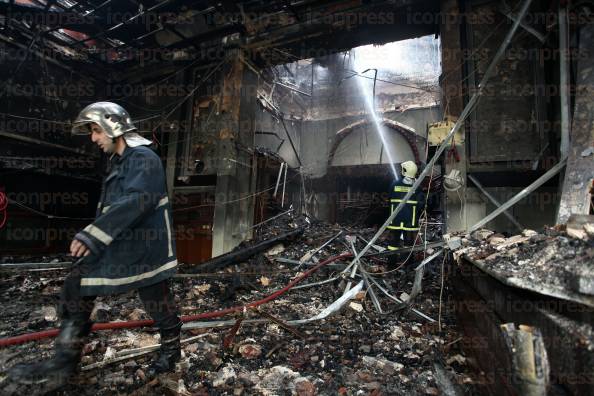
3, 207
189, 318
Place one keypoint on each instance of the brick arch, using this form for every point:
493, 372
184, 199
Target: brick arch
405, 131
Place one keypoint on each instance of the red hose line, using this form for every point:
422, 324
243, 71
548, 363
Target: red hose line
3, 208
190, 318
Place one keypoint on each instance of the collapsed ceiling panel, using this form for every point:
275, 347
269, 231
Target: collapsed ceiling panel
117, 33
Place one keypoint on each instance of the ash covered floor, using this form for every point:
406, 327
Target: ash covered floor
354, 351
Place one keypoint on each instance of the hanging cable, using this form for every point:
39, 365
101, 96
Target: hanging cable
188, 96
46, 215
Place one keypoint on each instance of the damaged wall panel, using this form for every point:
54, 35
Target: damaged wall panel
507, 123
579, 174
234, 208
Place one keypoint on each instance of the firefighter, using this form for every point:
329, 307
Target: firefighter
129, 246
405, 226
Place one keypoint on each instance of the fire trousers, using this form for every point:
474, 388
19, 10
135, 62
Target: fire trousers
399, 239
157, 299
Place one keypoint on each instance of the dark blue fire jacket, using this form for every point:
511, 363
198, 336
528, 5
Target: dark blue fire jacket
408, 218
131, 237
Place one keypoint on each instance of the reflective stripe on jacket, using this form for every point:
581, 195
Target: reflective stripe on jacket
408, 217
132, 234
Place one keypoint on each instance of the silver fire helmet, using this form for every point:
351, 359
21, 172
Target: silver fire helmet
112, 118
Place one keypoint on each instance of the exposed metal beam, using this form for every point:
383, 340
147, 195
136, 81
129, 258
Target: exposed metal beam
197, 40
564, 79
39, 142
131, 19
143, 36
495, 202
93, 8
292, 88
26, 34
10, 40
83, 13
522, 194
506, 10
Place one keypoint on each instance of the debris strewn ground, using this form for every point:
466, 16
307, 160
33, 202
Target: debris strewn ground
355, 351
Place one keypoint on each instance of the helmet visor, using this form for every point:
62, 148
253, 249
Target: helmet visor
81, 128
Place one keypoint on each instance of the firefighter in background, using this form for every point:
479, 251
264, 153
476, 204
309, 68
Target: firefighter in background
129, 246
405, 226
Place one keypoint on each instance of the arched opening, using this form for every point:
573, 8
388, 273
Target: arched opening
359, 167
359, 144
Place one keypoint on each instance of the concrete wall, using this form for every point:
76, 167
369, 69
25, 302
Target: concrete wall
314, 139
279, 144
364, 147
317, 138
532, 212
234, 209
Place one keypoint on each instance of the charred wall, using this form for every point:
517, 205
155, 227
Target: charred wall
50, 177
512, 136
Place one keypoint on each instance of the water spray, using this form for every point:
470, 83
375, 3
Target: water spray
370, 104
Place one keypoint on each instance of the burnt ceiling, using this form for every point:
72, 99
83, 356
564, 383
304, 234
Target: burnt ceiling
116, 38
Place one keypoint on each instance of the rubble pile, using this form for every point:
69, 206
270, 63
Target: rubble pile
557, 258
354, 351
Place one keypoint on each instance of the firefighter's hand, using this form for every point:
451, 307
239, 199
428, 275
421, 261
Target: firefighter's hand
79, 249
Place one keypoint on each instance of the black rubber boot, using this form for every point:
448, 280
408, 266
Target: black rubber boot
169, 353
56, 371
